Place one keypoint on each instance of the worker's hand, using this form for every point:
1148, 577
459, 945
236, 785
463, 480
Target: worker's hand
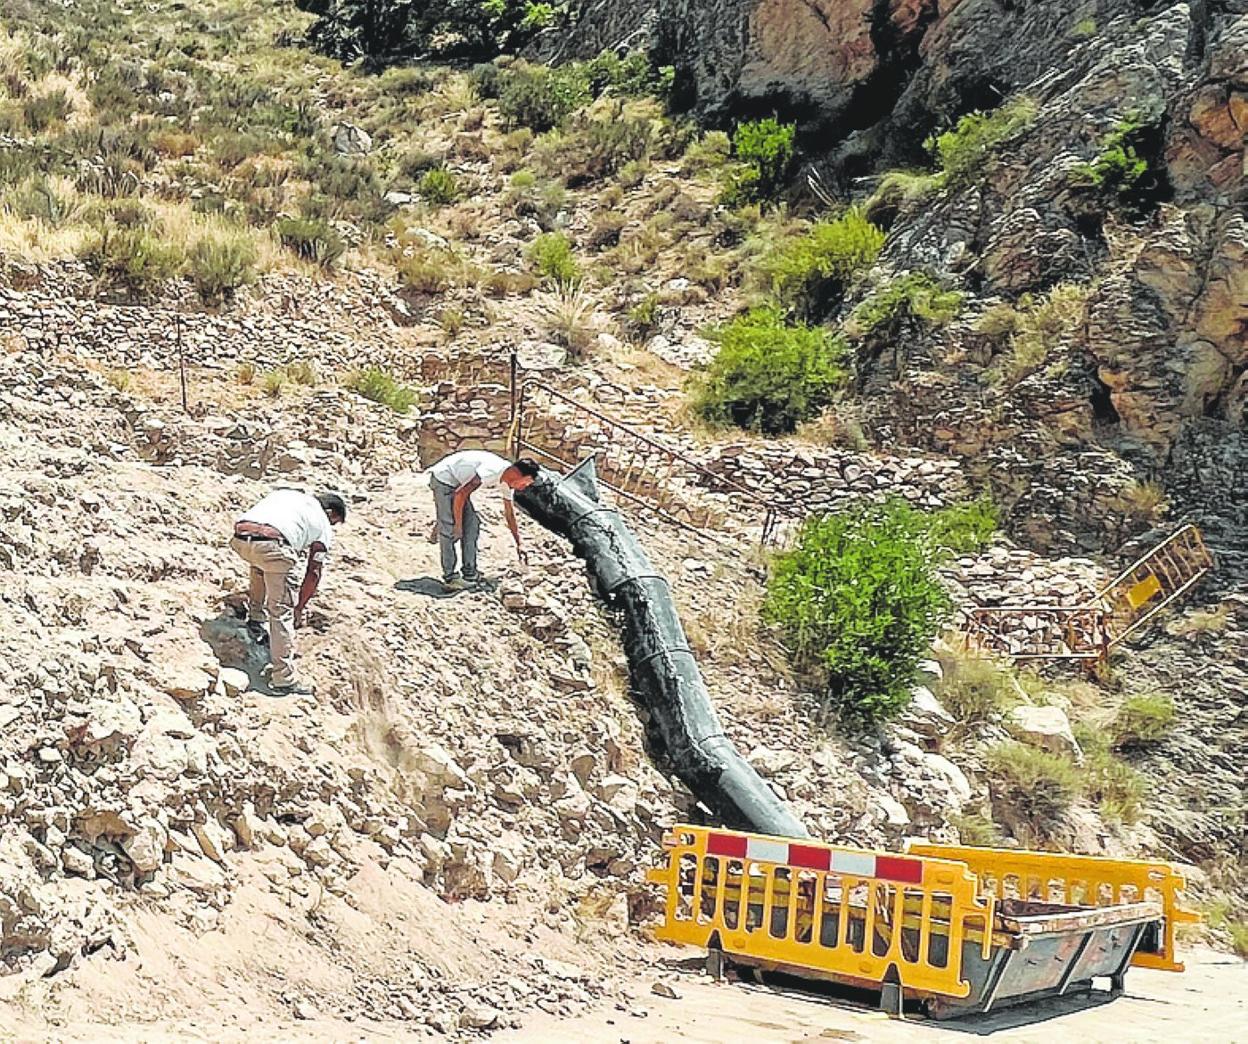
522, 555
301, 618
458, 533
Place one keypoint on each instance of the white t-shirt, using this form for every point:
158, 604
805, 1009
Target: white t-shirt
466, 465
299, 517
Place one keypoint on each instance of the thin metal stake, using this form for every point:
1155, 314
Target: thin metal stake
177, 323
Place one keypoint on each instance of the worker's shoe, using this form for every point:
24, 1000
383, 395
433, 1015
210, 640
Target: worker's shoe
293, 688
258, 632
456, 583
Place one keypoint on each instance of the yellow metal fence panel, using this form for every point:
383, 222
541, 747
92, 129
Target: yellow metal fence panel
825, 908
1077, 881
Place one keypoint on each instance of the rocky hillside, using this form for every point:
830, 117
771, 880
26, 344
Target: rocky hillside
452, 831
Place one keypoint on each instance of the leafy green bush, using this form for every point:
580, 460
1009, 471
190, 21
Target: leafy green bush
539, 97
913, 295
962, 151
135, 259
220, 264
1143, 718
965, 527
311, 239
856, 604
633, 75
1038, 785
438, 186
551, 255
764, 149
809, 273
600, 145
381, 387
768, 376
643, 317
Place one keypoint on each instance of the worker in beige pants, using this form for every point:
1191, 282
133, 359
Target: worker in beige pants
271, 595
271, 538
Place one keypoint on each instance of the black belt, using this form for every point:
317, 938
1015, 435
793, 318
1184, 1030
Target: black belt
254, 537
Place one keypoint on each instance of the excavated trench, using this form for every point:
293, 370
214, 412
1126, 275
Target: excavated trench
664, 674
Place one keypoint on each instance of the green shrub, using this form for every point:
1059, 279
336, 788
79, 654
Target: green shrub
962, 151
41, 111
914, 295
1143, 718
311, 239
551, 256
633, 75
643, 318
273, 382
764, 149
600, 145
301, 372
438, 186
809, 274
134, 259
1121, 171
897, 192
1033, 328
220, 264
1221, 918
379, 386
1038, 785
975, 828
539, 97
710, 152
768, 375
856, 604
977, 690
965, 527
1118, 790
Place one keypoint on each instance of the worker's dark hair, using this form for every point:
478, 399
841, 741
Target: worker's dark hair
527, 467
333, 504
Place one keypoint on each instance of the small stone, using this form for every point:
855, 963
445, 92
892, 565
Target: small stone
664, 989
478, 1016
305, 1009
234, 681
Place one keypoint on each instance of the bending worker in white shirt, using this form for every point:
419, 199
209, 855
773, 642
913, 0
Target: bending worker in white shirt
453, 480
270, 538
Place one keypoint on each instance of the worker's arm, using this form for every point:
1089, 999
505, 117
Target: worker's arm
509, 513
461, 499
311, 580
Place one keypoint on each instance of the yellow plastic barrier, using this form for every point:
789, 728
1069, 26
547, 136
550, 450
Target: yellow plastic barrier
846, 912
1077, 881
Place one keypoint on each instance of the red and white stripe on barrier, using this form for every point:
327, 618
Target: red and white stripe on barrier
851, 862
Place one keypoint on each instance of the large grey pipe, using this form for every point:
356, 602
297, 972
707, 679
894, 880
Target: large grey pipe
665, 676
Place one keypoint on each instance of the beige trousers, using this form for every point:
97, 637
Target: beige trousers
273, 591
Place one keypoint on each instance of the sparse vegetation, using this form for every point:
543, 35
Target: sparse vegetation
1222, 919
438, 186
1121, 171
975, 828
897, 192
1034, 783
221, 264
134, 259
1203, 622
312, 240
856, 604
809, 273
962, 151
764, 152
965, 527
1144, 500
301, 372
551, 256
273, 382
569, 317
768, 375
1025, 335
977, 690
379, 386
1143, 719
914, 295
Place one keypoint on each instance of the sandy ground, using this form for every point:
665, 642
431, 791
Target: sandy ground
1209, 1002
